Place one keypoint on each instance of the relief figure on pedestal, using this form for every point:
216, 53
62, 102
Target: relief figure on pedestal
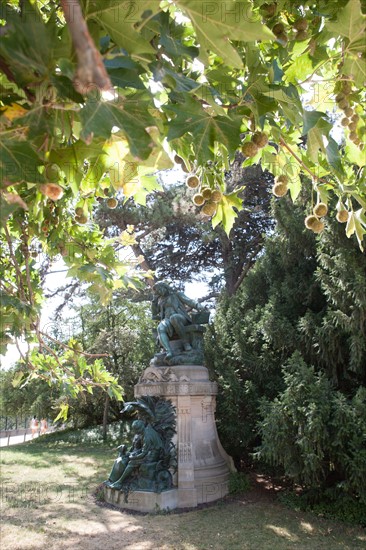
149, 463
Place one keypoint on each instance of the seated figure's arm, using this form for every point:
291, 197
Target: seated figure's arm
139, 455
189, 302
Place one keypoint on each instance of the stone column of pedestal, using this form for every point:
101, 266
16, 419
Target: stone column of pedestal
187, 494
203, 465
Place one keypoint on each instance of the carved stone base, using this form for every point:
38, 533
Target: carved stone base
203, 465
143, 501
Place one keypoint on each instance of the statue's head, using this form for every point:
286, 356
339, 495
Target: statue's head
138, 426
162, 289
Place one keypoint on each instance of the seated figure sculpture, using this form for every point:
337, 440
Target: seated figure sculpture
146, 454
123, 459
172, 309
149, 463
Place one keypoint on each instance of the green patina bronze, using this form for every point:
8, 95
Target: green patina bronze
180, 332
150, 462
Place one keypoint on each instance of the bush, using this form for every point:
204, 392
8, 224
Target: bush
332, 504
315, 432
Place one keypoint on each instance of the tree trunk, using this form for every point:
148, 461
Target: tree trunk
105, 417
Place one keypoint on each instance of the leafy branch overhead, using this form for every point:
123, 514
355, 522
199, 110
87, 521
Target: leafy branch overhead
98, 95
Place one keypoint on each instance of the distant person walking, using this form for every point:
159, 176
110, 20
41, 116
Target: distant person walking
34, 426
44, 426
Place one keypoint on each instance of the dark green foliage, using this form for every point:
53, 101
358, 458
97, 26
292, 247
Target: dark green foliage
35, 398
256, 331
331, 503
315, 432
302, 306
336, 340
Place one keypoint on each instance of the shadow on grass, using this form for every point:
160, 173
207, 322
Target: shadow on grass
60, 505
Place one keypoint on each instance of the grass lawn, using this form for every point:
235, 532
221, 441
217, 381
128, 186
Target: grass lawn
47, 502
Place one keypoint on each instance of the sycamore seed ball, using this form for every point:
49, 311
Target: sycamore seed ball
249, 149
269, 9
260, 139
198, 199
52, 173
52, 191
352, 126
320, 209
216, 196
112, 203
81, 219
79, 211
206, 193
282, 178
342, 216
178, 159
343, 104
346, 87
282, 38
310, 221
318, 227
301, 24
314, 224
278, 28
301, 35
348, 112
279, 189
209, 209
192, 182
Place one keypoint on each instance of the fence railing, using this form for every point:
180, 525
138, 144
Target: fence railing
14, 422
8, 434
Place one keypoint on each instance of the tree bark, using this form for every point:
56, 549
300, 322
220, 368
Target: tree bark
105, 417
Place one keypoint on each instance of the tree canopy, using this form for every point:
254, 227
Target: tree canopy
98, 95
172, 240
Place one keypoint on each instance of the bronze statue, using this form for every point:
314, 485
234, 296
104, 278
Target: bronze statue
148, 465
173, 308
123, 459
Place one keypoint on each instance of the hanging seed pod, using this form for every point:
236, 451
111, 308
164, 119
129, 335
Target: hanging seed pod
112, 203
209, 209
192, 182
249, 149
279, 189
198, 199
52, 191
342, 216
216, 196
320, 209
206, 193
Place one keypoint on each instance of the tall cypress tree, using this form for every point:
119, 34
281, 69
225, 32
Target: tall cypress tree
294, 336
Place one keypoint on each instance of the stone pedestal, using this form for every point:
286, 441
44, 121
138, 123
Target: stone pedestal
203, 465
143, 501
